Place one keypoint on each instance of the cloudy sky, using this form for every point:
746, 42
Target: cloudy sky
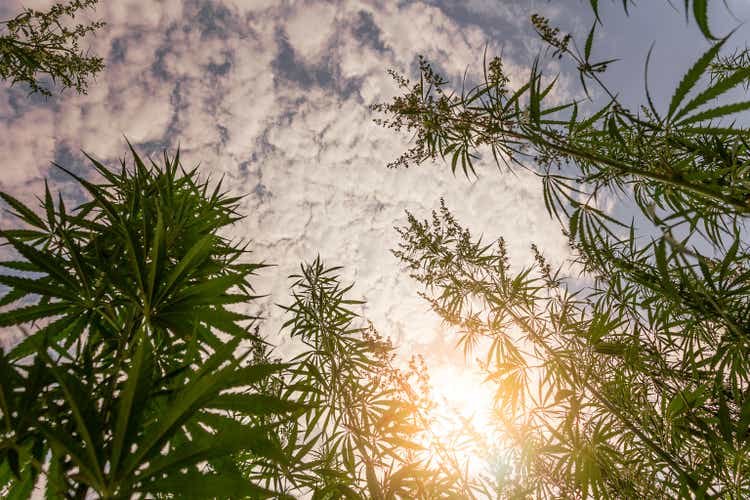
274, 95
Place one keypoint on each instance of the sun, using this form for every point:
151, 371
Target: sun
461, 423
461, 391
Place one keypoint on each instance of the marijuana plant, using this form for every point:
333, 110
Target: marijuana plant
36, 45
139, 378
366, 432
634, 381
127, 383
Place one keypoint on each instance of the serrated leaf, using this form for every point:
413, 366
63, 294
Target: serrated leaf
84, 415
38, 286
23, 212
717, 112
589, 43
31, 313
721, 87
700, 11
46, 263
692, 76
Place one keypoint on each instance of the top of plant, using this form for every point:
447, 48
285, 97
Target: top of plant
38, 44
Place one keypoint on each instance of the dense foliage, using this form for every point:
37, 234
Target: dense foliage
633, 378
139, 374
40, 45
623, 373
132, 347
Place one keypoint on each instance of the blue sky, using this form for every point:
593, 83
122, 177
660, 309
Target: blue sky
274, 96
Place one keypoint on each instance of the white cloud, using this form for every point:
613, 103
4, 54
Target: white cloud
295, 133
310, 27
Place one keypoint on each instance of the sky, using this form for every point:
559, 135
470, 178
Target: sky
274, 96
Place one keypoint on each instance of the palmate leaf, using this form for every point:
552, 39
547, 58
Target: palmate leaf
203, 387
208, 292
150, 389
231, 437
194, 257
97, 192
39, 286
45, 262
70, 326
63, 444
721, 87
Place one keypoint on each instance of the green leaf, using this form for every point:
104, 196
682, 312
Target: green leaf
20, 265
96, 191
589, 42
45, 262
717, 112
155, 256
194, 257
722, 86
49, 206
12, 296
199, 486
725, 420
84, 415
230, 439
131, 401
692, 76
661, 264
70, 326
534, 93
183, 405
252, 374
23, 212
207, 291
39, 287
700, 11
32, 313
595, 8
22, 489
253, 404
55, 487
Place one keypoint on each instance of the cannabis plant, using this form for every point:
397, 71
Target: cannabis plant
131, 380
138, 377
633, 379
38, 45
366, 431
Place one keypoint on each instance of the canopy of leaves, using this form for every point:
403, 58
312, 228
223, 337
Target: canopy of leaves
636, 381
